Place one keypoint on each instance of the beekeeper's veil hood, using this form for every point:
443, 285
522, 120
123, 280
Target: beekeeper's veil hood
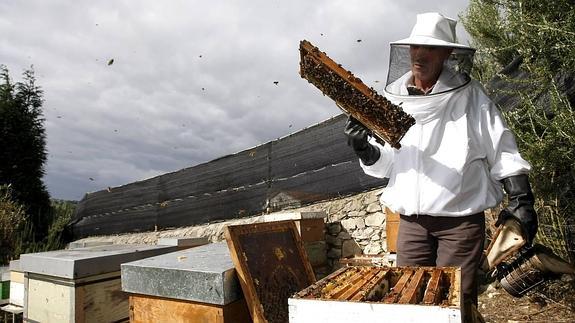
431, 29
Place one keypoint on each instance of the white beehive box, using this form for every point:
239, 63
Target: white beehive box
80, 285
381, 294
16, 284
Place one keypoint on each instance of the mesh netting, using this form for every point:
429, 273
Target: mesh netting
459, 62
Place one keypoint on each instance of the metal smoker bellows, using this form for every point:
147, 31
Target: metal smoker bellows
389, 285
519, 267
521, 275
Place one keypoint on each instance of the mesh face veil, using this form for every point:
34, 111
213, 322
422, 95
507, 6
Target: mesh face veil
454, 74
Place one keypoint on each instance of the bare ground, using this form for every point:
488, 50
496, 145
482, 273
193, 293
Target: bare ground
554, 302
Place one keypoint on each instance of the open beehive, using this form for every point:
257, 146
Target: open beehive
365, 293
387, 121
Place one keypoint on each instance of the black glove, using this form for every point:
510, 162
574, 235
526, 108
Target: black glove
520, 205
357, 138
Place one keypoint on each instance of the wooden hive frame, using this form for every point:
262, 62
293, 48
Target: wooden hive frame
395, 285
370, 293
271, 264
388, 122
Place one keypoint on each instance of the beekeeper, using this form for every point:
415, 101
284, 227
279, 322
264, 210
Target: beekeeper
454, 163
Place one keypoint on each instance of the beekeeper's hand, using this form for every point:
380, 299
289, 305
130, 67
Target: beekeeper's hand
357, 138
520, 205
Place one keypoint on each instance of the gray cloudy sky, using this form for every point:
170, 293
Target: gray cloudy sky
191, 80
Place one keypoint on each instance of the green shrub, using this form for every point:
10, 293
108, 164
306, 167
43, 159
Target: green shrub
541, 34
12, 219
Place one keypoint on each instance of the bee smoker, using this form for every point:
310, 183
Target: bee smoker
519, 267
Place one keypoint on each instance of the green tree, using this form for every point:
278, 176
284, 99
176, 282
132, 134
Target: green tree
525, 54
23, 143
12, 218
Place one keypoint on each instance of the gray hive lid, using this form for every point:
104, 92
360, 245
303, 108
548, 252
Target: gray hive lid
203, 274
86, 262
15, 265
183, 241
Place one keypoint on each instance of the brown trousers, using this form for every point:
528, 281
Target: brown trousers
425, 240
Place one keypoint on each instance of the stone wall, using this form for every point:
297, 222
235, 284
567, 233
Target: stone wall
354, 225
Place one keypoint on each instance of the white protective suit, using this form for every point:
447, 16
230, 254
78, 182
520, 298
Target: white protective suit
450, 162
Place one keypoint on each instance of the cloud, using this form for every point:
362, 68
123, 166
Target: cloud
191, 80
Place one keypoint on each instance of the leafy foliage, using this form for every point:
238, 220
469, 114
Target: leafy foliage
61, 215
12, 217
29, 221
540, 35
19, 231
23, 142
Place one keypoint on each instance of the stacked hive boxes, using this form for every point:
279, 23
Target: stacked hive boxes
79, 285
16, 284
16, 279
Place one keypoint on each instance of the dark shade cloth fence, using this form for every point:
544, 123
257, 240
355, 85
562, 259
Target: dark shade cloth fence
308, 166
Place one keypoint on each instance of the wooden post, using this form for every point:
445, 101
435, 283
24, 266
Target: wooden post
391, 229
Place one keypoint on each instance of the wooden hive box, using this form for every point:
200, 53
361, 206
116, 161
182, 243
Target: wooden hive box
17, 282
311, 227
378, 293
271, 264
80, 285
192, 285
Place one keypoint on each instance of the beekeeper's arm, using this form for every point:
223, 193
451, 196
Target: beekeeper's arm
508, 167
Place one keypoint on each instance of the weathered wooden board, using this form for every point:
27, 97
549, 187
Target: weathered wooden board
311, 229
414, 289
391, 229
271, 264
433, 292
374, 288
394, 295
151, 309
310, 225
102, 301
